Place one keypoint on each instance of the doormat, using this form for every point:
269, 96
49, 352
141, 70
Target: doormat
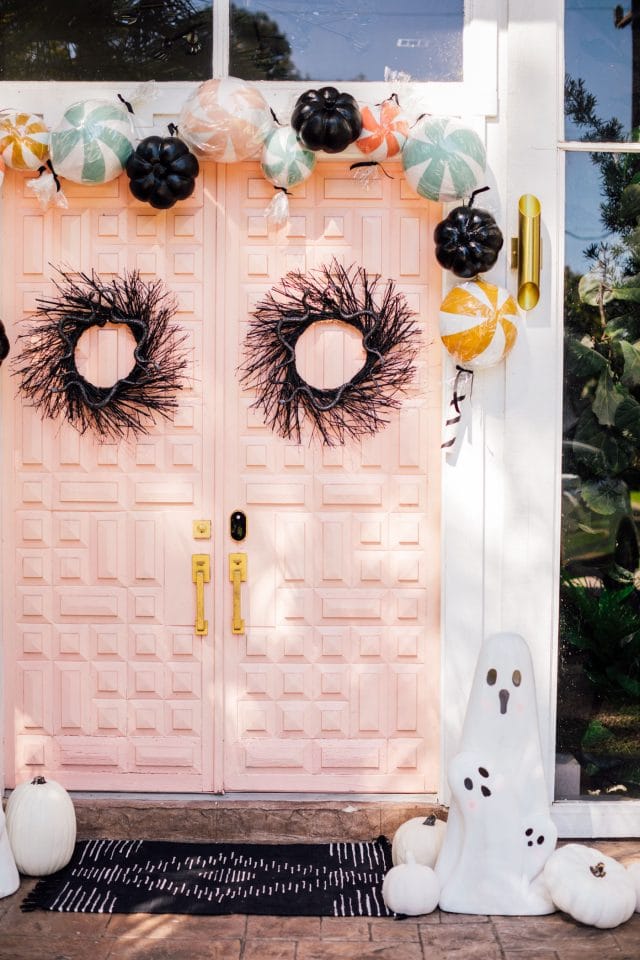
153, 876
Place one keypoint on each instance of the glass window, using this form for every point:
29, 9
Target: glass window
341, 40
602, 65
346, 40
105, 40
598, 734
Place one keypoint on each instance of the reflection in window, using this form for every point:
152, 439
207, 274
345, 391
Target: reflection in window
105, 39
602, 55
598, 737
346, 40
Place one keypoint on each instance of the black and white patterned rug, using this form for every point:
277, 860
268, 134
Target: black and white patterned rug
144, 876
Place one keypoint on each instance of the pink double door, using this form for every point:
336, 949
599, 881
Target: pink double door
333, 683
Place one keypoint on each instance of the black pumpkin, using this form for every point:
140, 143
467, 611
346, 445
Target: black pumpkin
468, 241
326, 119
162, 171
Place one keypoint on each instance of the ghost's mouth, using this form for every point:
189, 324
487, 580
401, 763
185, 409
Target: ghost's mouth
504, 699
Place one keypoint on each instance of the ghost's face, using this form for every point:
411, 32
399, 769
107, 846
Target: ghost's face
502, 703
504, 687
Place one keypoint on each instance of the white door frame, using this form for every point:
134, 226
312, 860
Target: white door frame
502, 494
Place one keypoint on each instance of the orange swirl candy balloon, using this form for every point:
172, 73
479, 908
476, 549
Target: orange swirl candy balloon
478, 324
384, 130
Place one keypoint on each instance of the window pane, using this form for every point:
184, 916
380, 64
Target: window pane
598, 737
346, 40
602, 65
105, 39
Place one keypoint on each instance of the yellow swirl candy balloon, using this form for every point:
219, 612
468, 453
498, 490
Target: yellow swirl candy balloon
24, 140
478, 324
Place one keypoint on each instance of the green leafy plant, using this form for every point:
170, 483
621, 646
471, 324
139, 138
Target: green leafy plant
605, 626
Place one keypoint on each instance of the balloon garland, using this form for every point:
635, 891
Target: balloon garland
331, 293
228, 120
47, 369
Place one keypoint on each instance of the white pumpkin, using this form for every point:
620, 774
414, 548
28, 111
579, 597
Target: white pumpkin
9, 879
41, 824
589, 886
634, 872
411, 888
421, 836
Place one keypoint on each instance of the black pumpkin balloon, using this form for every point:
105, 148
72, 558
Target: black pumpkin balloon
326, 119
468, 241
162, 171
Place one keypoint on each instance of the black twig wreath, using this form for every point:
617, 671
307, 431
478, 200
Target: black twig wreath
50, 379
331, 293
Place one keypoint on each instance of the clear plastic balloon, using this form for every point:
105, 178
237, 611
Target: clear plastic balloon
226, 120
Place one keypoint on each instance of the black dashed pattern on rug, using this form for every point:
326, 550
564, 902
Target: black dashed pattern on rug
145, 876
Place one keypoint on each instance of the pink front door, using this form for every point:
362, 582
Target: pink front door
334, 685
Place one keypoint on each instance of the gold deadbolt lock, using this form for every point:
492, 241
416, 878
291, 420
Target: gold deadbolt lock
201, 529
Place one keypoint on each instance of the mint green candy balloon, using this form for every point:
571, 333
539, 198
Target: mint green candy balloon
92, 142
285, 162
443, 159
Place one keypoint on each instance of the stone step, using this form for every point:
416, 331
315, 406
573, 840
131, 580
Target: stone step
251, 820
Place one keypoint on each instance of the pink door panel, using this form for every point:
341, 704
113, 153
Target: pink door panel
335, 684
105, 672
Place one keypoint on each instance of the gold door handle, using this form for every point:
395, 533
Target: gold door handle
237, 575
526, 251
200, 574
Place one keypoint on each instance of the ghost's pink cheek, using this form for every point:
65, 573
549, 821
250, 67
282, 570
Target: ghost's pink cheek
471, 805
520, 708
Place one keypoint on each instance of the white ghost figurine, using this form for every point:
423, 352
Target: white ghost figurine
499, 831
9, 876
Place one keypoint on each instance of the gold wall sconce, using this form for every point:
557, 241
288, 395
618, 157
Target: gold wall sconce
525, 251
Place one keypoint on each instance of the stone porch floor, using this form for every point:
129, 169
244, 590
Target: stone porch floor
438, 936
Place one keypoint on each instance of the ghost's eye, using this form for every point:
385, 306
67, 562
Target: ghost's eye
492, 676
516, 678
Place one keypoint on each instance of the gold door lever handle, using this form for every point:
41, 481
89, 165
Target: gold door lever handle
237, 575
200, 574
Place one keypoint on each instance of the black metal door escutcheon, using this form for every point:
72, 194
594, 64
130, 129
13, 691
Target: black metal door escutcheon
238, 525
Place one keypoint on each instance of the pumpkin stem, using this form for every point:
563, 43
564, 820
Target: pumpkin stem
430, 821
598, 870
38, 780
474, 194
